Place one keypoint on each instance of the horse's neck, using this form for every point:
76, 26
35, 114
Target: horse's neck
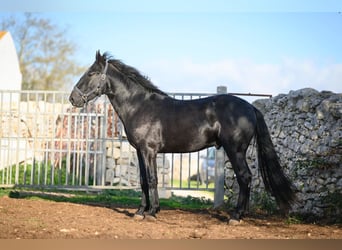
125, 100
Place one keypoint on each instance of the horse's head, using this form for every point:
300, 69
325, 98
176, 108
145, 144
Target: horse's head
92, 84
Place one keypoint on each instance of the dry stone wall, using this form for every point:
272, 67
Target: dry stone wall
306, 129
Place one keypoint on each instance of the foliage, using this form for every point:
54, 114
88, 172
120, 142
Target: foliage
263, 201
333, 206
45, 54
321, 161
334, 199
314, 163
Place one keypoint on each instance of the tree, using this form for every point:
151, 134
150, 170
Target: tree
46, 56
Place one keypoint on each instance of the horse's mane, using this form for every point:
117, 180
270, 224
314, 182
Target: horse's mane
128, 73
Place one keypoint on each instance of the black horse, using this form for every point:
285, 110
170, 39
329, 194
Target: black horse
156, 123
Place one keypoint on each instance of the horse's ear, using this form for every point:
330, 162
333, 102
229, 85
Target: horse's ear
98, 56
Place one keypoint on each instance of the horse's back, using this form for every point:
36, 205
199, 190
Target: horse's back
206, 122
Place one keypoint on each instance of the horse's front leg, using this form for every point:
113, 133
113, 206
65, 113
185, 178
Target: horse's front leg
152, 179
145, 201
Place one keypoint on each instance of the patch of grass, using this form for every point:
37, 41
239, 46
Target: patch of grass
4, 192
191, 184
120, 198
188, 202
293, 219
42, 174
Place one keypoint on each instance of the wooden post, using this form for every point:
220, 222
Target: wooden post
219, 166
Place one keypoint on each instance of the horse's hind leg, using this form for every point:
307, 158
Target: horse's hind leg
244, 177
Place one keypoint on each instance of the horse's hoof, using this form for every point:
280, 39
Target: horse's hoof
234, 222
149, 217
139, 217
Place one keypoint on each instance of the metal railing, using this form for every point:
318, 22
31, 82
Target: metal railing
46, 142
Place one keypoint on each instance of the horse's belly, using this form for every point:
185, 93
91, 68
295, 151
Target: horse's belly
190, 140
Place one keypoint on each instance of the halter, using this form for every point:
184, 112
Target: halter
97, 90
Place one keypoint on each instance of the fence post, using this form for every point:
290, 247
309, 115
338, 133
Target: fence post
219, 166
101, 171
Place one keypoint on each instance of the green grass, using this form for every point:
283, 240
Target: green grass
4, 192
119, 198
45, 174
191, 184
40, 174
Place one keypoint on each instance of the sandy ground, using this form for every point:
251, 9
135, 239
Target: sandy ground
42, 219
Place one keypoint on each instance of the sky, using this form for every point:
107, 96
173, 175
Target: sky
260, 46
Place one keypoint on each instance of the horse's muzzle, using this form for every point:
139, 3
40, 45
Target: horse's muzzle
76, 100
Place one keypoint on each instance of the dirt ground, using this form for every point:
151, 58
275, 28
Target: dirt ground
42, 219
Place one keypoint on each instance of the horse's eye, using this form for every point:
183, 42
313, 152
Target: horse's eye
92, 73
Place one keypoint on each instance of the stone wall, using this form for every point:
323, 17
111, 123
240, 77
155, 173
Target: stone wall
306, 129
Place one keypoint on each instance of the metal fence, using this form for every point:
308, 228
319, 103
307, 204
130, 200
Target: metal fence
46, 142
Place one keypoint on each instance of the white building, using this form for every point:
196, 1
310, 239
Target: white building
10, 81
10, 75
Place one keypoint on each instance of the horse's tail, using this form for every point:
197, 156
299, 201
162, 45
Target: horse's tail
276, 182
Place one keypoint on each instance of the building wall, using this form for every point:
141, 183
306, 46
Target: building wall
10, 77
